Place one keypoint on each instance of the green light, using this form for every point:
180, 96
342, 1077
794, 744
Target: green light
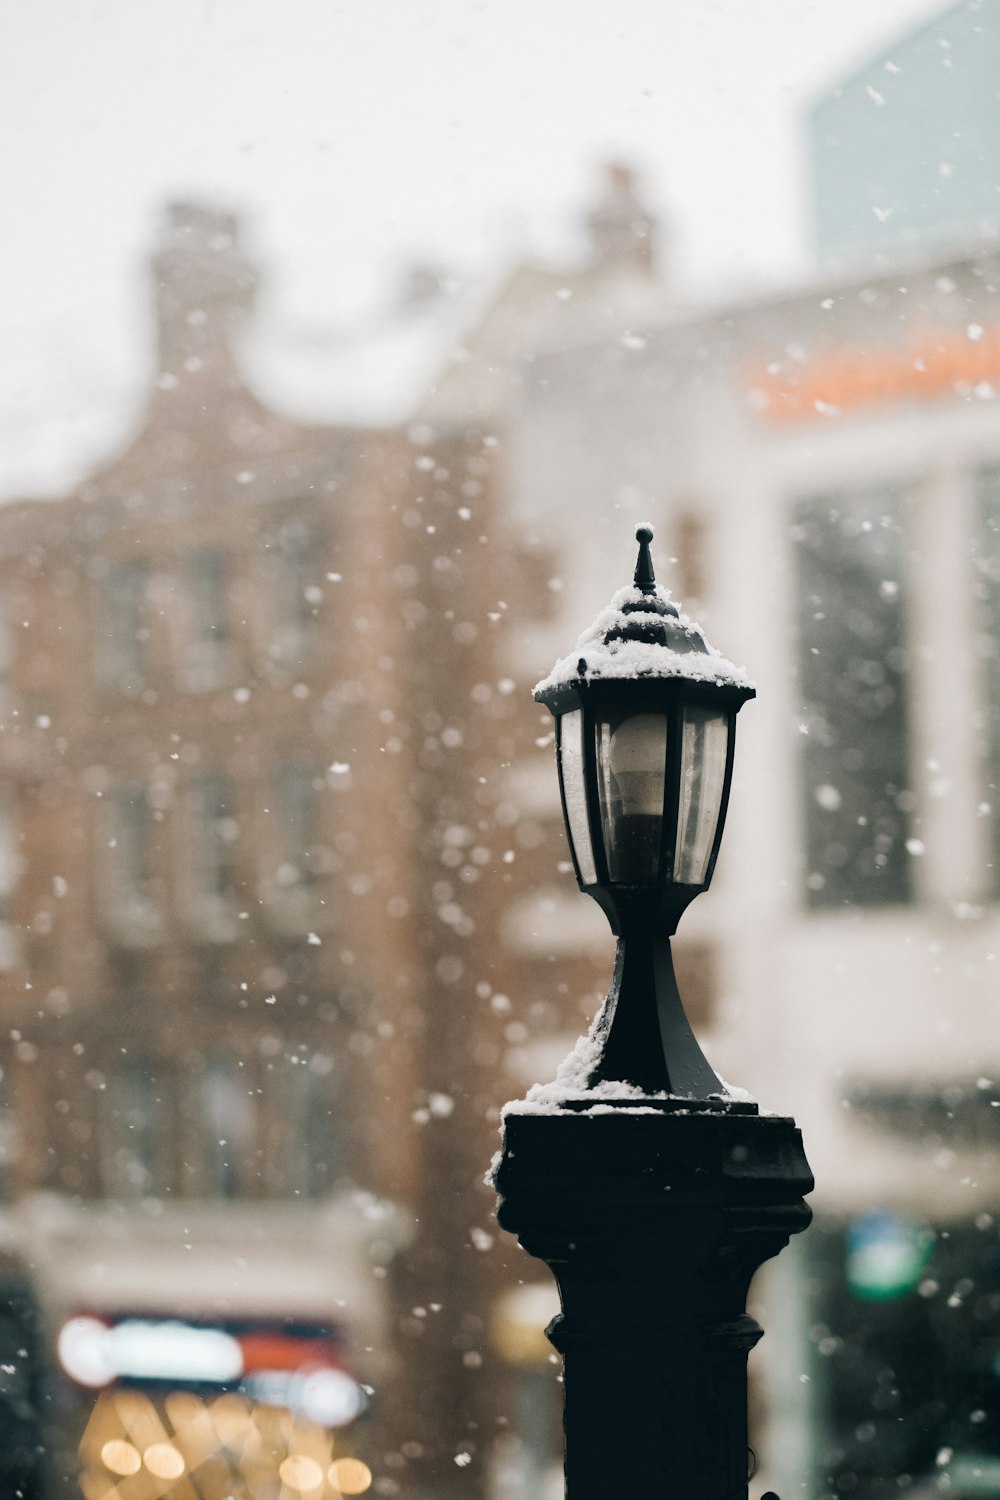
885, 1257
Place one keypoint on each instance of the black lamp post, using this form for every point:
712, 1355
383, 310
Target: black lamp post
651, 1192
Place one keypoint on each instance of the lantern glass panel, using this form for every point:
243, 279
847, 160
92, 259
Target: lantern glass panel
631, 775
574, 786
704, 749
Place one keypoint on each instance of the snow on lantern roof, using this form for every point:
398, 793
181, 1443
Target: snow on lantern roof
642, 633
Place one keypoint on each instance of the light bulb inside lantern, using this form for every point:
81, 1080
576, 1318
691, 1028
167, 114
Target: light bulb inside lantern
632, 758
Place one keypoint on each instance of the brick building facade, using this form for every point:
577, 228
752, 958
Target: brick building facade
254, 746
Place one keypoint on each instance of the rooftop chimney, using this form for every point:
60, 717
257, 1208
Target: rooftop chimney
622, 230
204, 287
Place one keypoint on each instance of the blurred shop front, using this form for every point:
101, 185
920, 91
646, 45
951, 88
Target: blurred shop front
210, 1350
904, 1317
245, 1404
907, 1356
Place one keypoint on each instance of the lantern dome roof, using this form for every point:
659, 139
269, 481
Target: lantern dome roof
643, 633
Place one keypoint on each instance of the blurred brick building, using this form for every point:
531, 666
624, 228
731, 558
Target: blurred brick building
252, 746
286, 905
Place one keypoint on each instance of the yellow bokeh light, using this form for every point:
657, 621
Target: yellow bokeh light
238, 1442
183, 1407
120, 1457
232, 1418
163, 1460
350, 1476
127, 1405
300, 1472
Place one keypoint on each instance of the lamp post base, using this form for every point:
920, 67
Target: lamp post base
653, 1224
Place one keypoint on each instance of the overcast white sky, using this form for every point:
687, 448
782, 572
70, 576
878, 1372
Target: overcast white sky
360, 134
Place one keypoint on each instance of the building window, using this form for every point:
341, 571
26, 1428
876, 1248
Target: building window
123, 626
9, 1136
852, 667
688, 572
214, 831
987, 565
207, 658
296, 857
135, 1130
295, 567
8, 640
297, 797
226, 1156
132, 893
11, 864
306, 1141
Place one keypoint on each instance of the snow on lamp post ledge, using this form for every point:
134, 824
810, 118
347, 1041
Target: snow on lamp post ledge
652, 1189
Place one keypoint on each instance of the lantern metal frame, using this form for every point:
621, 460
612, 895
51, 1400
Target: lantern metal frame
663, 899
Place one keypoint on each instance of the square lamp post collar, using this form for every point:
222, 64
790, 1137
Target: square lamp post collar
645, 715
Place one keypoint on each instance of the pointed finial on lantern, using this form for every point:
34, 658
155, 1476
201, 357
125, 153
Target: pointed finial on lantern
645, 579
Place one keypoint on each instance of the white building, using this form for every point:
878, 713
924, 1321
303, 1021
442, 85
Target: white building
823, 470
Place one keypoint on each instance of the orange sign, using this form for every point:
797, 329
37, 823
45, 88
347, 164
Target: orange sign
933, 363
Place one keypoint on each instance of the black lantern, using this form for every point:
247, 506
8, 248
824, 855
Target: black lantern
645, 727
